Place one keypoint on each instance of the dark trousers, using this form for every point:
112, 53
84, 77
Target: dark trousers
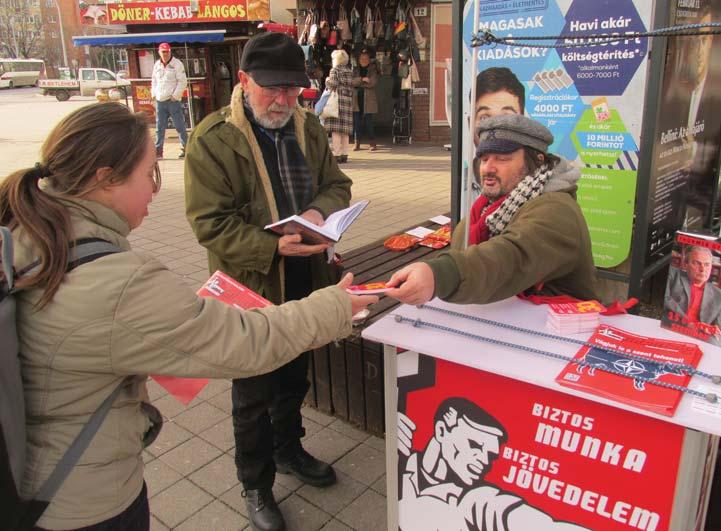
363, 123
267, 421
135, 518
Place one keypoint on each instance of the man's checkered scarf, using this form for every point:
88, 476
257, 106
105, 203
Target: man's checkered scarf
293, 168
292, 165
530, 187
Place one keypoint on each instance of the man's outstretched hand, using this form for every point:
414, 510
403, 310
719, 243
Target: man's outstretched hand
414, 284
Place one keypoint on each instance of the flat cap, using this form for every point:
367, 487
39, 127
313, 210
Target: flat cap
274, 60
510, 132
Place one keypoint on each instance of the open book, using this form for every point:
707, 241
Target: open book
334, 227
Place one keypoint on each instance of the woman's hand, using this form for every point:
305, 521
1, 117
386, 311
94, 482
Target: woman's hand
357, 302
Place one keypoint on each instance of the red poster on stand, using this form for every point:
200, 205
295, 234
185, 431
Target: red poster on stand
479, 451
219, 286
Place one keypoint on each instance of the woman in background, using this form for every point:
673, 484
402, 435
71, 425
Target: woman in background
340, 80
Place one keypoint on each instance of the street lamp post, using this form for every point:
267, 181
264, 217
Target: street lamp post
62, 34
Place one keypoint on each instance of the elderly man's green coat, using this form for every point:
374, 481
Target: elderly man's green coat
229, 198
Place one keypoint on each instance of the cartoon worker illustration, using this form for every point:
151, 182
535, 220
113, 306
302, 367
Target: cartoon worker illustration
443, 486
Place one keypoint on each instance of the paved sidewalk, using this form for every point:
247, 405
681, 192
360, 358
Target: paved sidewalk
190, 469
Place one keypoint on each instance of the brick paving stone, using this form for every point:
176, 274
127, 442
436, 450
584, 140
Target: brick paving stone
190, 456
200, 418
380, 486
159, 476
156, 525
367, 512
214, 388
155, 390
300, 515
179, 502
376, 442
329, 445
220, 435
335, 525
348, 430
217, 477
334, 498
317, 416
169, 406
311, 428
363, 463
222, 401
289, 481
214, 517
170, 437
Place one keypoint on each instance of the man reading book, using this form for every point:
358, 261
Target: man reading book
526, 231
255, 162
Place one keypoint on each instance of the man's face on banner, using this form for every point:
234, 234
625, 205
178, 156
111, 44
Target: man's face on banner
494, 104
698, 267
468, 448
702, 54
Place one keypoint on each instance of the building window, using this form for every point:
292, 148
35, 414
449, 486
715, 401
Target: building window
49, 3
51, 19
54, 34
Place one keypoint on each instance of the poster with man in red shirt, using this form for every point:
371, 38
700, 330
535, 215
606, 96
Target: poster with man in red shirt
692, 305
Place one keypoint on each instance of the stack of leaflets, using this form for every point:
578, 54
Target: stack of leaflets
631, 383
574, 317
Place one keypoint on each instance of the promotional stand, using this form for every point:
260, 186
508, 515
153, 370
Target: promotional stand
479, 434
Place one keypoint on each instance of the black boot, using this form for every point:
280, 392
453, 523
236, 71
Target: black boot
308, 469
263, 512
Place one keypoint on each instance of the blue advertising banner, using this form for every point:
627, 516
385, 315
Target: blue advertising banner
590, 95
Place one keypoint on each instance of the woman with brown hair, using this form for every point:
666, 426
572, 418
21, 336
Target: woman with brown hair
120, 317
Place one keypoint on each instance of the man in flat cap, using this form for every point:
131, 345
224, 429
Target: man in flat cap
526, 231
257, 161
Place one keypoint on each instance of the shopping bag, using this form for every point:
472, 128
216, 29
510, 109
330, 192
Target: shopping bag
331, 109
320, 104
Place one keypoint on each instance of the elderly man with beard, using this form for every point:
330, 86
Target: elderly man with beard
526, 235
260, 160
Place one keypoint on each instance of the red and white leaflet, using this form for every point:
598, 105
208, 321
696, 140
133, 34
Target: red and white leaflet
654, 359
368, 289
219, 286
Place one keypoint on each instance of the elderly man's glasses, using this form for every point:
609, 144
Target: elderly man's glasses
274, 92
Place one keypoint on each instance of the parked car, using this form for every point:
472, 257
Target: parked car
89, 80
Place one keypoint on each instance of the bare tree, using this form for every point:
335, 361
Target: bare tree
19, 29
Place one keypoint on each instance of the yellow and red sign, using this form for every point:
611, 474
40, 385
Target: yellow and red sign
176, 12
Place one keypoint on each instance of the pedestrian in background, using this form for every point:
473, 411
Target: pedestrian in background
167, 86
365, 103
340, 80
112, 321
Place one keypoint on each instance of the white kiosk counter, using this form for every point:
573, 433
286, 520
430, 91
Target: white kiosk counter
488, 440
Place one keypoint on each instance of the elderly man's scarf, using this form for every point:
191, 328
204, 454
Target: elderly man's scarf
292, 166
490, 219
